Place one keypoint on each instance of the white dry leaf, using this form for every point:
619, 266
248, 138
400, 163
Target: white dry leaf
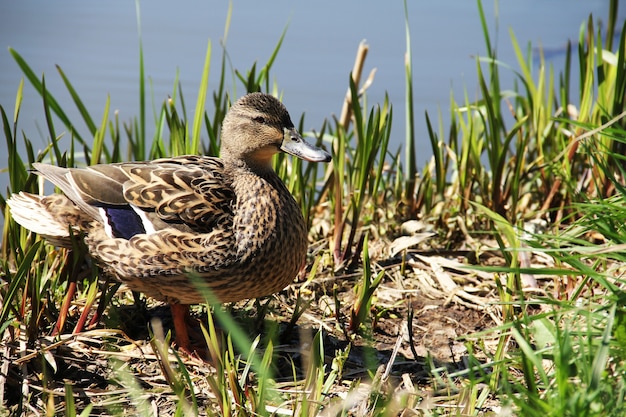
445, 280
411, 227
405, 242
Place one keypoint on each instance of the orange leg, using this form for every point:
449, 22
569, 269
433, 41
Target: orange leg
189, 338
180, 316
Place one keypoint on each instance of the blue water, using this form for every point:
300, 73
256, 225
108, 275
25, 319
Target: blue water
96, 44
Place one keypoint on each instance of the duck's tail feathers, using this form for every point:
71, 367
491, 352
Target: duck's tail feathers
54, 217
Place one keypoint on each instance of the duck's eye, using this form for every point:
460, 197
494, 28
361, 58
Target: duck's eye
259, 119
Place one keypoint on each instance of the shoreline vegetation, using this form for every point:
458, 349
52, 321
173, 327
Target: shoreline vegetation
488, 282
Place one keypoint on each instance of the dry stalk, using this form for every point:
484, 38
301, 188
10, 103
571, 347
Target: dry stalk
357, 70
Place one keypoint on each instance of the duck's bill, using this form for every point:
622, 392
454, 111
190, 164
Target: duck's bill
295, 145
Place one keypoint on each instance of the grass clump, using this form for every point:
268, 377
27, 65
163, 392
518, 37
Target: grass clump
490, 282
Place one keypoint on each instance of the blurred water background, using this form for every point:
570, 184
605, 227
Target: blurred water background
97, 43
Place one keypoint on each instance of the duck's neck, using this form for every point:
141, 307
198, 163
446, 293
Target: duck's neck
259, 166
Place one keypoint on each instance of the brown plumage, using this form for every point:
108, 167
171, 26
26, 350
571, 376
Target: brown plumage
228, 221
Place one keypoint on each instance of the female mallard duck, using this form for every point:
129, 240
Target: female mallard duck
228, 221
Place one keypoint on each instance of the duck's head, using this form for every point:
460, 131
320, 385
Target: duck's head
258, 126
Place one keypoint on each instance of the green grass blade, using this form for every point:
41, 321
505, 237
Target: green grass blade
39, 87
410, 152
264, 73
16, 282
70, 406
17, 170
50, 124
610, 30
140, 144
619, 100
601, 357
485, 28
526, 75
438, 155
79, 103
199, 114
18, 104
98, 140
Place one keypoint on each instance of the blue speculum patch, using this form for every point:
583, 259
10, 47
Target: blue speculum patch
125, 222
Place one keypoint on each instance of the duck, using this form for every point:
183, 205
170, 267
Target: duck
171, 228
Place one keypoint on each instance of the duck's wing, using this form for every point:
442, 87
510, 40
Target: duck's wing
193, 190
190, 193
